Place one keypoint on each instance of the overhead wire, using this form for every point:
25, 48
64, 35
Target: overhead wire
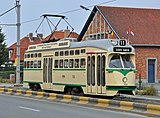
74, 10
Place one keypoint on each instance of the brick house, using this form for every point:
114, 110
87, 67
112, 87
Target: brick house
30, 40
116, 22
24, 43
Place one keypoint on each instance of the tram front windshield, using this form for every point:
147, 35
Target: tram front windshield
121, 61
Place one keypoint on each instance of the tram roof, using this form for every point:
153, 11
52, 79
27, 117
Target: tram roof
105, 44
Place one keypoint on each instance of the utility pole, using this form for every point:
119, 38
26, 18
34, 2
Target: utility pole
18, 43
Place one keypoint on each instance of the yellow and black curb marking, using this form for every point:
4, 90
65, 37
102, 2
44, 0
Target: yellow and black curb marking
142, 108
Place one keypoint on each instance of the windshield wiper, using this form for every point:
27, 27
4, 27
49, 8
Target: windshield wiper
114, 65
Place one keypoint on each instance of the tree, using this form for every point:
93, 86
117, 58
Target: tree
3, 49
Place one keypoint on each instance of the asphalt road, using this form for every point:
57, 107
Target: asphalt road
23, 107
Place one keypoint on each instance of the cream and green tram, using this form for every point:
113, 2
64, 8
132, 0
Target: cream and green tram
98, 67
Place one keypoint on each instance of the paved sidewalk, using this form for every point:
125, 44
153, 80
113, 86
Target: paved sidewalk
6, 85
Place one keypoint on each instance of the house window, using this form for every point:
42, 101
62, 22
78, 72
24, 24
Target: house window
10, 53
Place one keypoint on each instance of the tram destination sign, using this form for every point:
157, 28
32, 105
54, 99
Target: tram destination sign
122, 49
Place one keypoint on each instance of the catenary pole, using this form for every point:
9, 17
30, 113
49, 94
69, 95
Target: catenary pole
18, 43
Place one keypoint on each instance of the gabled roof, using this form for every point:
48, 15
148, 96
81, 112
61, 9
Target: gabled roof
145, 23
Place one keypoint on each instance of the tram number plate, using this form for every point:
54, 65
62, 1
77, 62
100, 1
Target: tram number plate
120, 49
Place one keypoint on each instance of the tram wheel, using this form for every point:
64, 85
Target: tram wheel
68, 90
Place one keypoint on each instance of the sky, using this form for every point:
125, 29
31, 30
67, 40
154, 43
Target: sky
32, 10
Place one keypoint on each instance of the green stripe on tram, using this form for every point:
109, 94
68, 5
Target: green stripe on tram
121, 88
62, 84
123, 71
67, 69
32, 69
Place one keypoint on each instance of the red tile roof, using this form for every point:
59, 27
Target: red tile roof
24, 43
60, 35
145, 23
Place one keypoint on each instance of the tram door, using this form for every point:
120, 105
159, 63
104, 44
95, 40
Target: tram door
47, 73
101, 62
91, 86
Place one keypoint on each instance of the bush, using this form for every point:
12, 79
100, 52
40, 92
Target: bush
149, 91
6, 74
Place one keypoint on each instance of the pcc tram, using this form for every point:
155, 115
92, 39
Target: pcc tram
98, 67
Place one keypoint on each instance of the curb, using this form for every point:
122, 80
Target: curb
140, 108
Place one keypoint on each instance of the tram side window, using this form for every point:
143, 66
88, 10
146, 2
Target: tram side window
31, 66
39, 64
56, 53
83, 51
56, 64
28, 56
66, 63
35, 64
66, 53
71, 62
82, 63
39, 54
76, 63
28, 64
71, 52
31, 55
25, 64
61, 64
35, 55
61, 53
25, 56
76, 52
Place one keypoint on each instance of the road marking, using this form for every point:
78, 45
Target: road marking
27, 108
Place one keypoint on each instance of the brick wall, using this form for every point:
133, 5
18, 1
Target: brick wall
142, 54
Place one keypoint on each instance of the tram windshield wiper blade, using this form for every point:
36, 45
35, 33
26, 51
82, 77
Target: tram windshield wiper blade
114, 65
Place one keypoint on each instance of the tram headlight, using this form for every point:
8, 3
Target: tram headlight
124, 79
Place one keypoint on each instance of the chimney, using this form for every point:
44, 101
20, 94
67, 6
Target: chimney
66, 33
